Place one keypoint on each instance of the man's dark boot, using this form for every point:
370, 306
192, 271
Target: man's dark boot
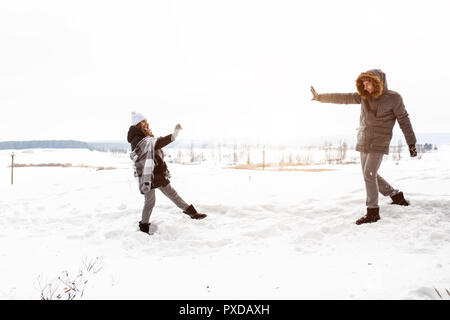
399, 199
373, 215
144, 227
190, 211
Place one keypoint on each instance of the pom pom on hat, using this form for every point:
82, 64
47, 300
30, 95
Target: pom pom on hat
136, 117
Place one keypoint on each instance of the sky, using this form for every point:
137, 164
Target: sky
222, 69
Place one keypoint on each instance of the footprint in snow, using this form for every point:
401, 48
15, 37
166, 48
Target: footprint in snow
116, 234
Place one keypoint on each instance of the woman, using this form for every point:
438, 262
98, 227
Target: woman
151, 169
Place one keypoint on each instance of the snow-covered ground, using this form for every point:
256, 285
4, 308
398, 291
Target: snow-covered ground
268, 235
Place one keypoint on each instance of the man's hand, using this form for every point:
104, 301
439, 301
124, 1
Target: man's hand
315, 94
412, 150
178, 127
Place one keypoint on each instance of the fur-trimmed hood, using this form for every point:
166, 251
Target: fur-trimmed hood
378, 78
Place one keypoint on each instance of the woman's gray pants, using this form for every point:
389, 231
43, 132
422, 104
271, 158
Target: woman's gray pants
150, 201
370, 163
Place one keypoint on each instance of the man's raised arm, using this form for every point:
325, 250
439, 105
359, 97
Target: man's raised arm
338, 98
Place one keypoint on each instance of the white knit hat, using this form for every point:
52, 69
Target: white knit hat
136, 117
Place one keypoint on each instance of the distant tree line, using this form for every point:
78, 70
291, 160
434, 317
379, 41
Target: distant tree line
116, 147
65, 144
333, 153
48, 144
427, 147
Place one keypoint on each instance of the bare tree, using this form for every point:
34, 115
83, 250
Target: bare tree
399, 149
220, 153
264, 157
327, 148
192, 153
73, 287
342, 151
179, 156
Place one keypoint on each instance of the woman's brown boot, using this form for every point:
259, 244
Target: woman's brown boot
190, 211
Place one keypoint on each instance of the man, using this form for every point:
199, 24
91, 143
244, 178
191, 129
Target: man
380, 108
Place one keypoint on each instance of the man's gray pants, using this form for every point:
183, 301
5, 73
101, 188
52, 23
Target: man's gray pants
370, 163
150, 201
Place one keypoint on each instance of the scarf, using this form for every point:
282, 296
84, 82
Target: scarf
143, 162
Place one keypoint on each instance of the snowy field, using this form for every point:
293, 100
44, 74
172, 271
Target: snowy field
268, 235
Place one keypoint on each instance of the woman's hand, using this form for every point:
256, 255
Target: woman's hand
176, 131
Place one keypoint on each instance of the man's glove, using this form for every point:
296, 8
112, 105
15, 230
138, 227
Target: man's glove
315, 94
176, 131
412, 150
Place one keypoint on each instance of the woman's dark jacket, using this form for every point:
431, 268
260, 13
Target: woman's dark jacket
160, 172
